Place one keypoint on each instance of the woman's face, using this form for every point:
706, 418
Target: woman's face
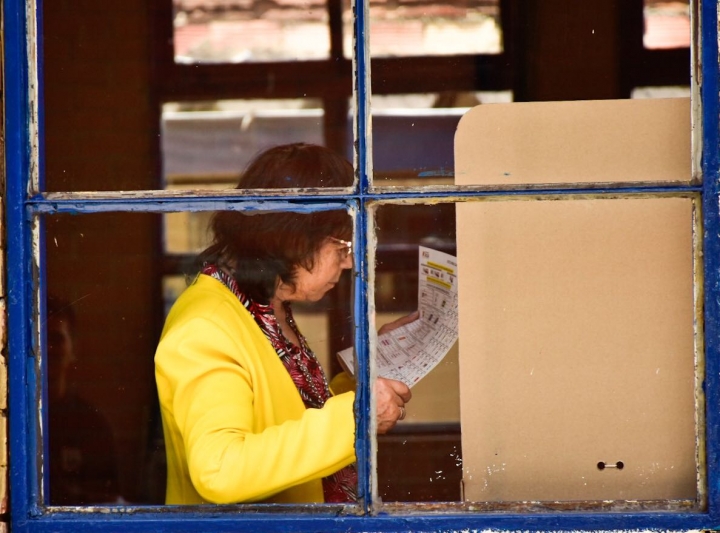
333, 257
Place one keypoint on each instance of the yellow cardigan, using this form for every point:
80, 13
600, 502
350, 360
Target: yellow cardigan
236, 429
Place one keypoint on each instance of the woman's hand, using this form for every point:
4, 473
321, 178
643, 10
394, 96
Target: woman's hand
390, 399
387, 328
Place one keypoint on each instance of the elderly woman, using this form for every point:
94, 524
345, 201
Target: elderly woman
247, 411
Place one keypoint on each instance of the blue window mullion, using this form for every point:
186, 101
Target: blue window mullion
21, 376
363, 157
363, 407
192, 204
154, 520
362, 96
711, 247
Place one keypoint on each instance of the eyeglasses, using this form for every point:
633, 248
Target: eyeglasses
347, 250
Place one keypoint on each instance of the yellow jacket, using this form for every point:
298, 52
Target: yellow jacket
235, 427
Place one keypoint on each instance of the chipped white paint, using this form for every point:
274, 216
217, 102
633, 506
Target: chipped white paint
699, 348
35, 234
33, 94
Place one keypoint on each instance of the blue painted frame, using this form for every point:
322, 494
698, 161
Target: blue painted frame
27, 515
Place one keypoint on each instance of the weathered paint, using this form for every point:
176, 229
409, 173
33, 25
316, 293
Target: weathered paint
157, 202
710, 67
33, 94
18, 139
699, 348
569, 188
185, 204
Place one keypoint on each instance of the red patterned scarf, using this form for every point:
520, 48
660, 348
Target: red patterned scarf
304, 369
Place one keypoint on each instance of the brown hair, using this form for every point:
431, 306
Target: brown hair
265, 247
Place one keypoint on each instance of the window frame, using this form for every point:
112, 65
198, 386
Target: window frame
23, 143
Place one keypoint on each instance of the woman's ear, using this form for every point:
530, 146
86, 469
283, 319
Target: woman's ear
283, 290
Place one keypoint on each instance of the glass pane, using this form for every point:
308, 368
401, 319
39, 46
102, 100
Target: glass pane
667, 24
104, 318
104, 94
419, 28
112, 286
421, 458
218, 31
574, 377
561, 51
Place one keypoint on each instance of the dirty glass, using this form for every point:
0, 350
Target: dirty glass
574, 376
111, 280
420, 460
547, 52
172, 125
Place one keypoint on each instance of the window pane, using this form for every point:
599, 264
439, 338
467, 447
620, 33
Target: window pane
421, 459
216, 31
111, 286
103, 96
556, 51
575, 374
104, 318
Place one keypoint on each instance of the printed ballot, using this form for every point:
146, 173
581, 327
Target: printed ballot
410, 352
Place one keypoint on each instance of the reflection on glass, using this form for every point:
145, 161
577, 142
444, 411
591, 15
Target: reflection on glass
422, 28
413, 135
216, 31
208, 144
83, 458
103, 320
419, 460
667, 24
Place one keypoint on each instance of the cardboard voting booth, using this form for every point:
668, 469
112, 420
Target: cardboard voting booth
578, 348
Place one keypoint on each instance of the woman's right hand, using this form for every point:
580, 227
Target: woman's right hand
390, 399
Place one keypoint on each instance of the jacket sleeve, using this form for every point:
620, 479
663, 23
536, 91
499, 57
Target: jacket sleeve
232, 456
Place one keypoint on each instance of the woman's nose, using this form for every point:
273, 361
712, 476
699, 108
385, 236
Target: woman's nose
347, 261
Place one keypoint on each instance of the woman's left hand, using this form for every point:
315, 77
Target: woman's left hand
387, 328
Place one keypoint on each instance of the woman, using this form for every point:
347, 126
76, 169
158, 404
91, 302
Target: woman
247, 412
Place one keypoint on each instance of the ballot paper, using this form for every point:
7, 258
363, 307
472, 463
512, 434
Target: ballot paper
410, 352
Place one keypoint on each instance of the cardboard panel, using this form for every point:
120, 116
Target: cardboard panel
574, 142
577, 347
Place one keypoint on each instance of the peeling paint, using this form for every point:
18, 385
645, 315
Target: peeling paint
699, 356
